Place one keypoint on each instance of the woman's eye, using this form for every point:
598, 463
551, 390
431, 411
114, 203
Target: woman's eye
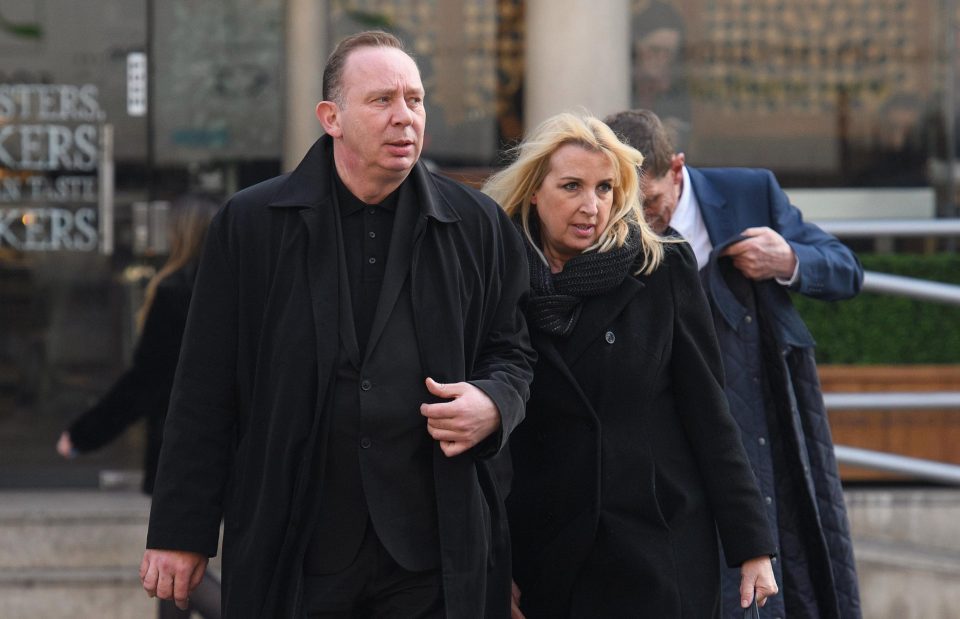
571, 186
604, 187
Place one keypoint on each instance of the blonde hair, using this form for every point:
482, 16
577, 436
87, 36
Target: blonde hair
190, 217
514, 186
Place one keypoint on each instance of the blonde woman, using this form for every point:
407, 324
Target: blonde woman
628, 463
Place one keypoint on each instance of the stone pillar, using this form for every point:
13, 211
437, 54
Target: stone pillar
577, 57
306, 50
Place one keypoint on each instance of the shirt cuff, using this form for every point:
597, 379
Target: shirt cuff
793, 278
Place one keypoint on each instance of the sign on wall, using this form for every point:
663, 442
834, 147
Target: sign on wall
49, 158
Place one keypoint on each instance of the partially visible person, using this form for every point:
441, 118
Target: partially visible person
143, 391
753, 247
659, 82
628, 462
354, 358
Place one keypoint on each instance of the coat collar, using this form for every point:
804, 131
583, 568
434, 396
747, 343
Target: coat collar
597, 315
713, 207
310, 185
770, 298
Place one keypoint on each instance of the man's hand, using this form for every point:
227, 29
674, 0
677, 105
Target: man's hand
172, 574
756, 579
763, 256
469, 417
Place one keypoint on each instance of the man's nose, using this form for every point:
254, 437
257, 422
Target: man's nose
402, 114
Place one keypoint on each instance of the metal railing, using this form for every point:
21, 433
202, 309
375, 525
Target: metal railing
909, 287
914, 288
860, 228
930, 470
910, 400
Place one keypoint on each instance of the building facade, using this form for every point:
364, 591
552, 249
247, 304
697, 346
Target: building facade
109, 110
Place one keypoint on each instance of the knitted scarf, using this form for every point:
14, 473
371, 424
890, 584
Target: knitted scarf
556, 299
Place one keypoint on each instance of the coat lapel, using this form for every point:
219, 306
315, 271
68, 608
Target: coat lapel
308, 188
713, 207
598, 313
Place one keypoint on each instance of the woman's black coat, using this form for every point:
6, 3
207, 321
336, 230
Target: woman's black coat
628, 450
243, 433
143, 390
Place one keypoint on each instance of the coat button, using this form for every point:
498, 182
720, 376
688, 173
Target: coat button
365, 442
366, 385
762, 440
768, 500
610, 337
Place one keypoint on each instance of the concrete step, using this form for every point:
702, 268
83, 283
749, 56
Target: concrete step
73, 554
76, 553
907, 549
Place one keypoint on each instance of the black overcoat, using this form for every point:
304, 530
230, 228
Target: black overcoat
628, 446
246, 425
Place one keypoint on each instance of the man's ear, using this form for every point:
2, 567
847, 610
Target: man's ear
676, 167
329, 116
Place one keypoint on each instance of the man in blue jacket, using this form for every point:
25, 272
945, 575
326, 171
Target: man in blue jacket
752, 246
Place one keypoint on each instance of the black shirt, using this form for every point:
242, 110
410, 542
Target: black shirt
366, 242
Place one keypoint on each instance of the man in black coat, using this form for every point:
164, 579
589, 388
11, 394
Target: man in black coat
353, 357
752, 246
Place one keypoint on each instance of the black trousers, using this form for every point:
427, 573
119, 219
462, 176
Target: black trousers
374, 586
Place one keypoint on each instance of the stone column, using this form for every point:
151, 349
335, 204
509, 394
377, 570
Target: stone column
577, 57
306, 47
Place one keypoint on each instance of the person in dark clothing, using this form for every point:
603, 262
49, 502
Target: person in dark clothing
752, 246
628, 462
143, 390
354, 358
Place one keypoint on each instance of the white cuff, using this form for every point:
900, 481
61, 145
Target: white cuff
793, 278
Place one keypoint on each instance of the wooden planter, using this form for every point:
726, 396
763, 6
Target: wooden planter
929, 434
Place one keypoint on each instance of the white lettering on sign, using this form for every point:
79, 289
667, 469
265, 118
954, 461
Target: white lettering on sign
48, 147
43, 189
50, 102
49, 229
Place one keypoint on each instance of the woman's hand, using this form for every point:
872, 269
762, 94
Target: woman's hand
65, 446
756, 579
515, 602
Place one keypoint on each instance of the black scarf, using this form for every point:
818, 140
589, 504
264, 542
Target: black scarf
557, 298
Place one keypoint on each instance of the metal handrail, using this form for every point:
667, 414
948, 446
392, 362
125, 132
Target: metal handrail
850, 228
914, 288
909, 400
917, 467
